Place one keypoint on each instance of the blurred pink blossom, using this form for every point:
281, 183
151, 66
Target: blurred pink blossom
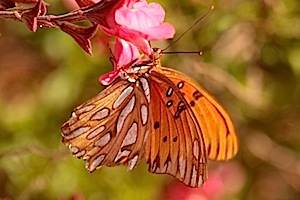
223, 181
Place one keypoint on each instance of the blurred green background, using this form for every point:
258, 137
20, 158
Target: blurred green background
251, 63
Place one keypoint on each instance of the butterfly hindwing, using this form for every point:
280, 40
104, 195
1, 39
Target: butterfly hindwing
174, 145
218, 130
109, 129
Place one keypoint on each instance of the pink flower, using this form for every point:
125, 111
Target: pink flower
139, 23
135, 21
124, 55
225, 180
145, 18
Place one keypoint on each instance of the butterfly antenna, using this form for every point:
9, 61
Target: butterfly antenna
200, 53
195, 23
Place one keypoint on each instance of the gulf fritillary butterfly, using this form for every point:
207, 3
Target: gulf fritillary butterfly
154, 112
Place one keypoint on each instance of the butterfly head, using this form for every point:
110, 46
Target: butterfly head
142, 67
157, 53
133, 73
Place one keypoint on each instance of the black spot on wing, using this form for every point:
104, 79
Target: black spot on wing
192, 103
165, 139
197, 95
156, 125
175, 139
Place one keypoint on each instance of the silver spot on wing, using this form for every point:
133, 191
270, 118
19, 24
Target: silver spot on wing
132, 163
125, 93
169, 166
200, 181
144, 114
194, 177
124, 113
146, 88
121, 154
164, 169
131, 135
182, 167
196, 149
95, 163
101, 114
169, 92
80, 153
153, 166
86, 157
103, 140
73, 149
96, 132
180, 84
77, 132
84, 109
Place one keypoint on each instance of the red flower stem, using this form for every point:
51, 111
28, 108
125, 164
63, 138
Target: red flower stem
55, 20
9, 15
74, 16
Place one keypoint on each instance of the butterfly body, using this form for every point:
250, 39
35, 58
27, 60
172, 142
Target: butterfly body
156, 113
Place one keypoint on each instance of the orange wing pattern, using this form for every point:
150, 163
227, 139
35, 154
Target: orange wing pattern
219, 134
175, 145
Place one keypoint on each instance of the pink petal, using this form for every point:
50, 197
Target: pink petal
136, 38
153, 9
146, 19
162, 32
141, 17
108, 78
125, 53
132, 36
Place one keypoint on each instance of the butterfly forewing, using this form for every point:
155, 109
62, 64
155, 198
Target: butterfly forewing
109, 129
175, 145
216, 126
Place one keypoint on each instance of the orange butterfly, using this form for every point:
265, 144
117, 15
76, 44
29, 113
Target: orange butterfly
154, 112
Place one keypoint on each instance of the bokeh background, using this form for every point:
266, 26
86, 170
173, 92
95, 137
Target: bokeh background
250, 62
